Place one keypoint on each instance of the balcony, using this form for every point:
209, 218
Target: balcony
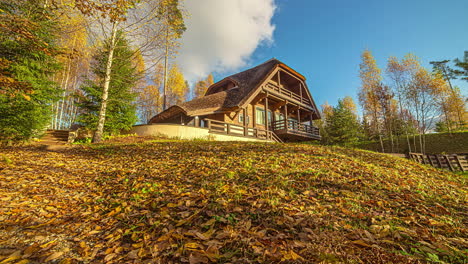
287, 93
293, 130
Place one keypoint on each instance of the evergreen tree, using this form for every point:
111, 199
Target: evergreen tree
27, 48
343, 125
462, 67
121, 110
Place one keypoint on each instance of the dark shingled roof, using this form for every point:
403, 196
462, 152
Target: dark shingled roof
204, 105
249, 79
246, 83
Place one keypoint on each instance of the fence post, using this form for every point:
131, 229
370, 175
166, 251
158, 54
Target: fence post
448, 162
430, 160
459, 163
438, 160
228, 129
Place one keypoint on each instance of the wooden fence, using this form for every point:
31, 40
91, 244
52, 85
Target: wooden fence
453, 162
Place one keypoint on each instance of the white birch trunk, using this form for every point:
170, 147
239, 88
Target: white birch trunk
105, 91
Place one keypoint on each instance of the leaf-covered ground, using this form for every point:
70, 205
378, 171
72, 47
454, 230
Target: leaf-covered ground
214, 202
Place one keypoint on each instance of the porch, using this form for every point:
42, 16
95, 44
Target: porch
293, 130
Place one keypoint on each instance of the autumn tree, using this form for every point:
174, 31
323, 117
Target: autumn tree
28, 35
149, 100
422, 94
400, 73
177, 89
173, 24
75, 56
371, 80
322, 124
442, 68
202, 85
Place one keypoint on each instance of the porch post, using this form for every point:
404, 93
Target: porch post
311, 116
266, 113
286, 116
254, 117
244, 113
299, 115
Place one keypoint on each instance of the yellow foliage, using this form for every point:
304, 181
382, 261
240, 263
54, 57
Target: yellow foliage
177, 88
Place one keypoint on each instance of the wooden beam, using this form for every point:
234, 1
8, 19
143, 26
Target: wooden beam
258, 98
236, 114
300, 90
294, 108
279, 80
278, 105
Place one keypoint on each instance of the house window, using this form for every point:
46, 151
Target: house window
241, 119
279, 116
260, 116
270, 116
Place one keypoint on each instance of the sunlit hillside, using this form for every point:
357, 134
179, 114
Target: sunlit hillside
214, 202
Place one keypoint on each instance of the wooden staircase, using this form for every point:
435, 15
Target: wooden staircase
55, 137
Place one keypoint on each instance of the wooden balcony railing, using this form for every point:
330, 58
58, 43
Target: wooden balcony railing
219, 127
272, 87
290, 126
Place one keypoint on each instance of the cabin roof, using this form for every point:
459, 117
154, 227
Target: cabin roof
246, 83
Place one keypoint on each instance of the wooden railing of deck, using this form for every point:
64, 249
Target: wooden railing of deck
294, 126
287, 93
215, 126
453, 162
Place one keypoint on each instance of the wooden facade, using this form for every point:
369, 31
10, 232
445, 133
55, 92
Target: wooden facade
270, 101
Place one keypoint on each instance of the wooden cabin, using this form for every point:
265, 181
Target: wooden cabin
270, 101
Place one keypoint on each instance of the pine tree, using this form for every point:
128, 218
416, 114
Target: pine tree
27, 48
121, 110
343, 126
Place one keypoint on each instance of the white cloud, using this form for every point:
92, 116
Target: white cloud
222, 34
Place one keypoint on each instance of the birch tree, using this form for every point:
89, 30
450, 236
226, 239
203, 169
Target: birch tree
173, 23
400, 72
371, 80
423, 93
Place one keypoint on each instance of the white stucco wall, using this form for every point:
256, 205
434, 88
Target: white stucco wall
183, 132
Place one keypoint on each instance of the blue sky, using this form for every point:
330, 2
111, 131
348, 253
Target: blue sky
323, 39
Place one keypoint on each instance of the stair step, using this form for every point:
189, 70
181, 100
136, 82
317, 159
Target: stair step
52, 142
58, 138
57, 134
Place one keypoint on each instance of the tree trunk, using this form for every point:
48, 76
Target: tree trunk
166, 58
105, 91
404, 121
381, 143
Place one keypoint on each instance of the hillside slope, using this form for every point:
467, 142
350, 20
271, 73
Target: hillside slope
204, 202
